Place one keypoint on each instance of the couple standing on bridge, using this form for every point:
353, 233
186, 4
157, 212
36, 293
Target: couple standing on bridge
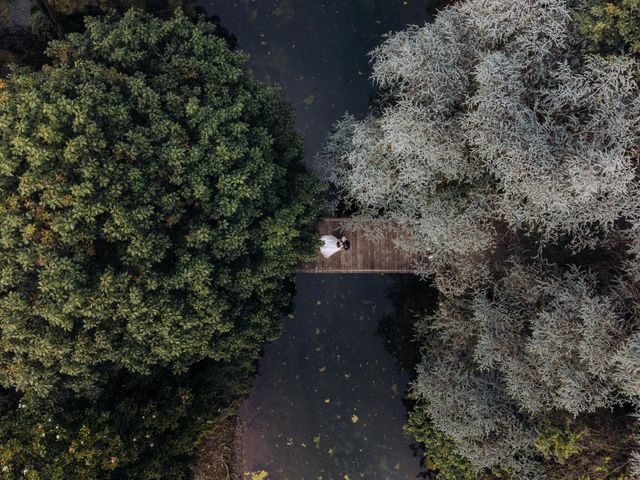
333, 245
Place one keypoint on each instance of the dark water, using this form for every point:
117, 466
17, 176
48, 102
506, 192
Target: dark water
327, 403
316, 50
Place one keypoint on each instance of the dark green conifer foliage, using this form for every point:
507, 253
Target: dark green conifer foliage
153, 206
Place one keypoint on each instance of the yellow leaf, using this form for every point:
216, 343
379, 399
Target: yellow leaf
29, 230
354, 418
261, 475
327, 400
322, 369
612, 9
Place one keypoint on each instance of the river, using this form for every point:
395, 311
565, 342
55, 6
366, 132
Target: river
327, 402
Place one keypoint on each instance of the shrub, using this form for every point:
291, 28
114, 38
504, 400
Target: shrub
613, 26
586, 447
439, 450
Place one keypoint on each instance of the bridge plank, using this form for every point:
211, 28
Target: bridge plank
365, 255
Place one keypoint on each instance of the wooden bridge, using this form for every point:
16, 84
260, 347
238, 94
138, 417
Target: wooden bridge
365, 255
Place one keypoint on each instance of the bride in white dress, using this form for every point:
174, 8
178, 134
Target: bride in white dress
333, 245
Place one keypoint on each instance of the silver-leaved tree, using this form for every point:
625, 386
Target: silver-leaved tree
509, 157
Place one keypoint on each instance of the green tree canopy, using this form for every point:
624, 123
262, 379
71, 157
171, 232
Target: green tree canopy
613, 26
153, 206
140, 428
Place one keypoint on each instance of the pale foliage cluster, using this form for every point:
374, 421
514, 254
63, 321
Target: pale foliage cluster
474, 410
627, 361
502, 139
490, 94
540, 340
553, 338
470, 405
564, 160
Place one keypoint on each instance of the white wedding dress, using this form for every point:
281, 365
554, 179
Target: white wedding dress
330, 246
